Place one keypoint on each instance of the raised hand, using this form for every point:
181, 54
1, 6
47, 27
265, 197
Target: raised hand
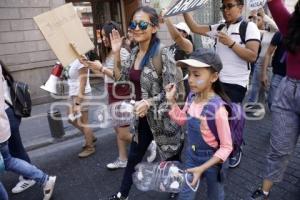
116, 41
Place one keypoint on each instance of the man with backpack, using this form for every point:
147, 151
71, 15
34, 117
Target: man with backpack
237, 45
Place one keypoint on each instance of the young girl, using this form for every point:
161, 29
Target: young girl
204, 154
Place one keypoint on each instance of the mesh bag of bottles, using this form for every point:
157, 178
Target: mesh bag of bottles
162, 177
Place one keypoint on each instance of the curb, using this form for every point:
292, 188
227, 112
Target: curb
68, 136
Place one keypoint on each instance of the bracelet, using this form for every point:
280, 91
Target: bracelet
232, 45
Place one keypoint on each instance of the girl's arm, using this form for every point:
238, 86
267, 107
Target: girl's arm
224, 134
176, 114
198, 171
280, 14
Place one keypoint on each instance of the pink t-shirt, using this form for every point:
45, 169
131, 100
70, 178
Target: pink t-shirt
194, 110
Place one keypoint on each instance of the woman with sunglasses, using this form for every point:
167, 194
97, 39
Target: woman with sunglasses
149, 94
286, 104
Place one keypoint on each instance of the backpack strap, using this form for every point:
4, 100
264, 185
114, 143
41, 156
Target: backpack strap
243, 30
209, 111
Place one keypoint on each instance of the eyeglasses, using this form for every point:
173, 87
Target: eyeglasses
142, 25
228, 6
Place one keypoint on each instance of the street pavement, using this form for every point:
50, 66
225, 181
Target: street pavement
88, 179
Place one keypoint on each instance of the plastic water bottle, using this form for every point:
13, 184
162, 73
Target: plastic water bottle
162, 177
122, 113
117, 114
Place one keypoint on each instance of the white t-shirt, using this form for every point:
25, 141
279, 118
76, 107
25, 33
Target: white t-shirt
266, 40
74, 79
110, 62
235, 69
4, 123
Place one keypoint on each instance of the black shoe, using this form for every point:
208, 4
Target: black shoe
117, 197
255, 110
235, 160
259, 195
173, 195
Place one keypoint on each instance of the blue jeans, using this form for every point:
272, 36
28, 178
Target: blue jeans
22, 167
276, 79
215, 187
15, 144
3, 193
257, 93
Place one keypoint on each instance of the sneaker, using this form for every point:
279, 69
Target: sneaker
235, 160
87, 151
94, 141
22, 185
255, 110
49, 187
152, 148
117, 197
259, 195
117, 164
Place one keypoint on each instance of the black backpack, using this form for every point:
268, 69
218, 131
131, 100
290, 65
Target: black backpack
20, 97
242, 32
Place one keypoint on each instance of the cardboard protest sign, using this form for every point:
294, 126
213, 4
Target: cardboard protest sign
183, 6
158, 5
62, 27
255, 4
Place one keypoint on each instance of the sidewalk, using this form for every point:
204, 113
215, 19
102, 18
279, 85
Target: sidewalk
35, 131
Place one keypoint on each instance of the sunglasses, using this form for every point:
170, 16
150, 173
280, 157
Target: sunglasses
141, 24
228, 6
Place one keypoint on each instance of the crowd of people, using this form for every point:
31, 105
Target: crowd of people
259, 53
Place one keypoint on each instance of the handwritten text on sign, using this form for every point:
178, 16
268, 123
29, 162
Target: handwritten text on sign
183, 6
256, 4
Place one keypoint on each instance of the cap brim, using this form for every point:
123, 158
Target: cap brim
192, 63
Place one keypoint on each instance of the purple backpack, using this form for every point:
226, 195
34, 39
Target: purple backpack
235, 115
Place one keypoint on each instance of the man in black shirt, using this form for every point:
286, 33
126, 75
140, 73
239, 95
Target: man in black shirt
278, 64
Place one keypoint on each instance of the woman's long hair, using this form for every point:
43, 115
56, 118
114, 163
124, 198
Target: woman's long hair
155, 41
6, 74
218, 88
107, 28
292, 39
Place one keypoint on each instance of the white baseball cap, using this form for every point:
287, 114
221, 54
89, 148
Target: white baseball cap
183, 26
